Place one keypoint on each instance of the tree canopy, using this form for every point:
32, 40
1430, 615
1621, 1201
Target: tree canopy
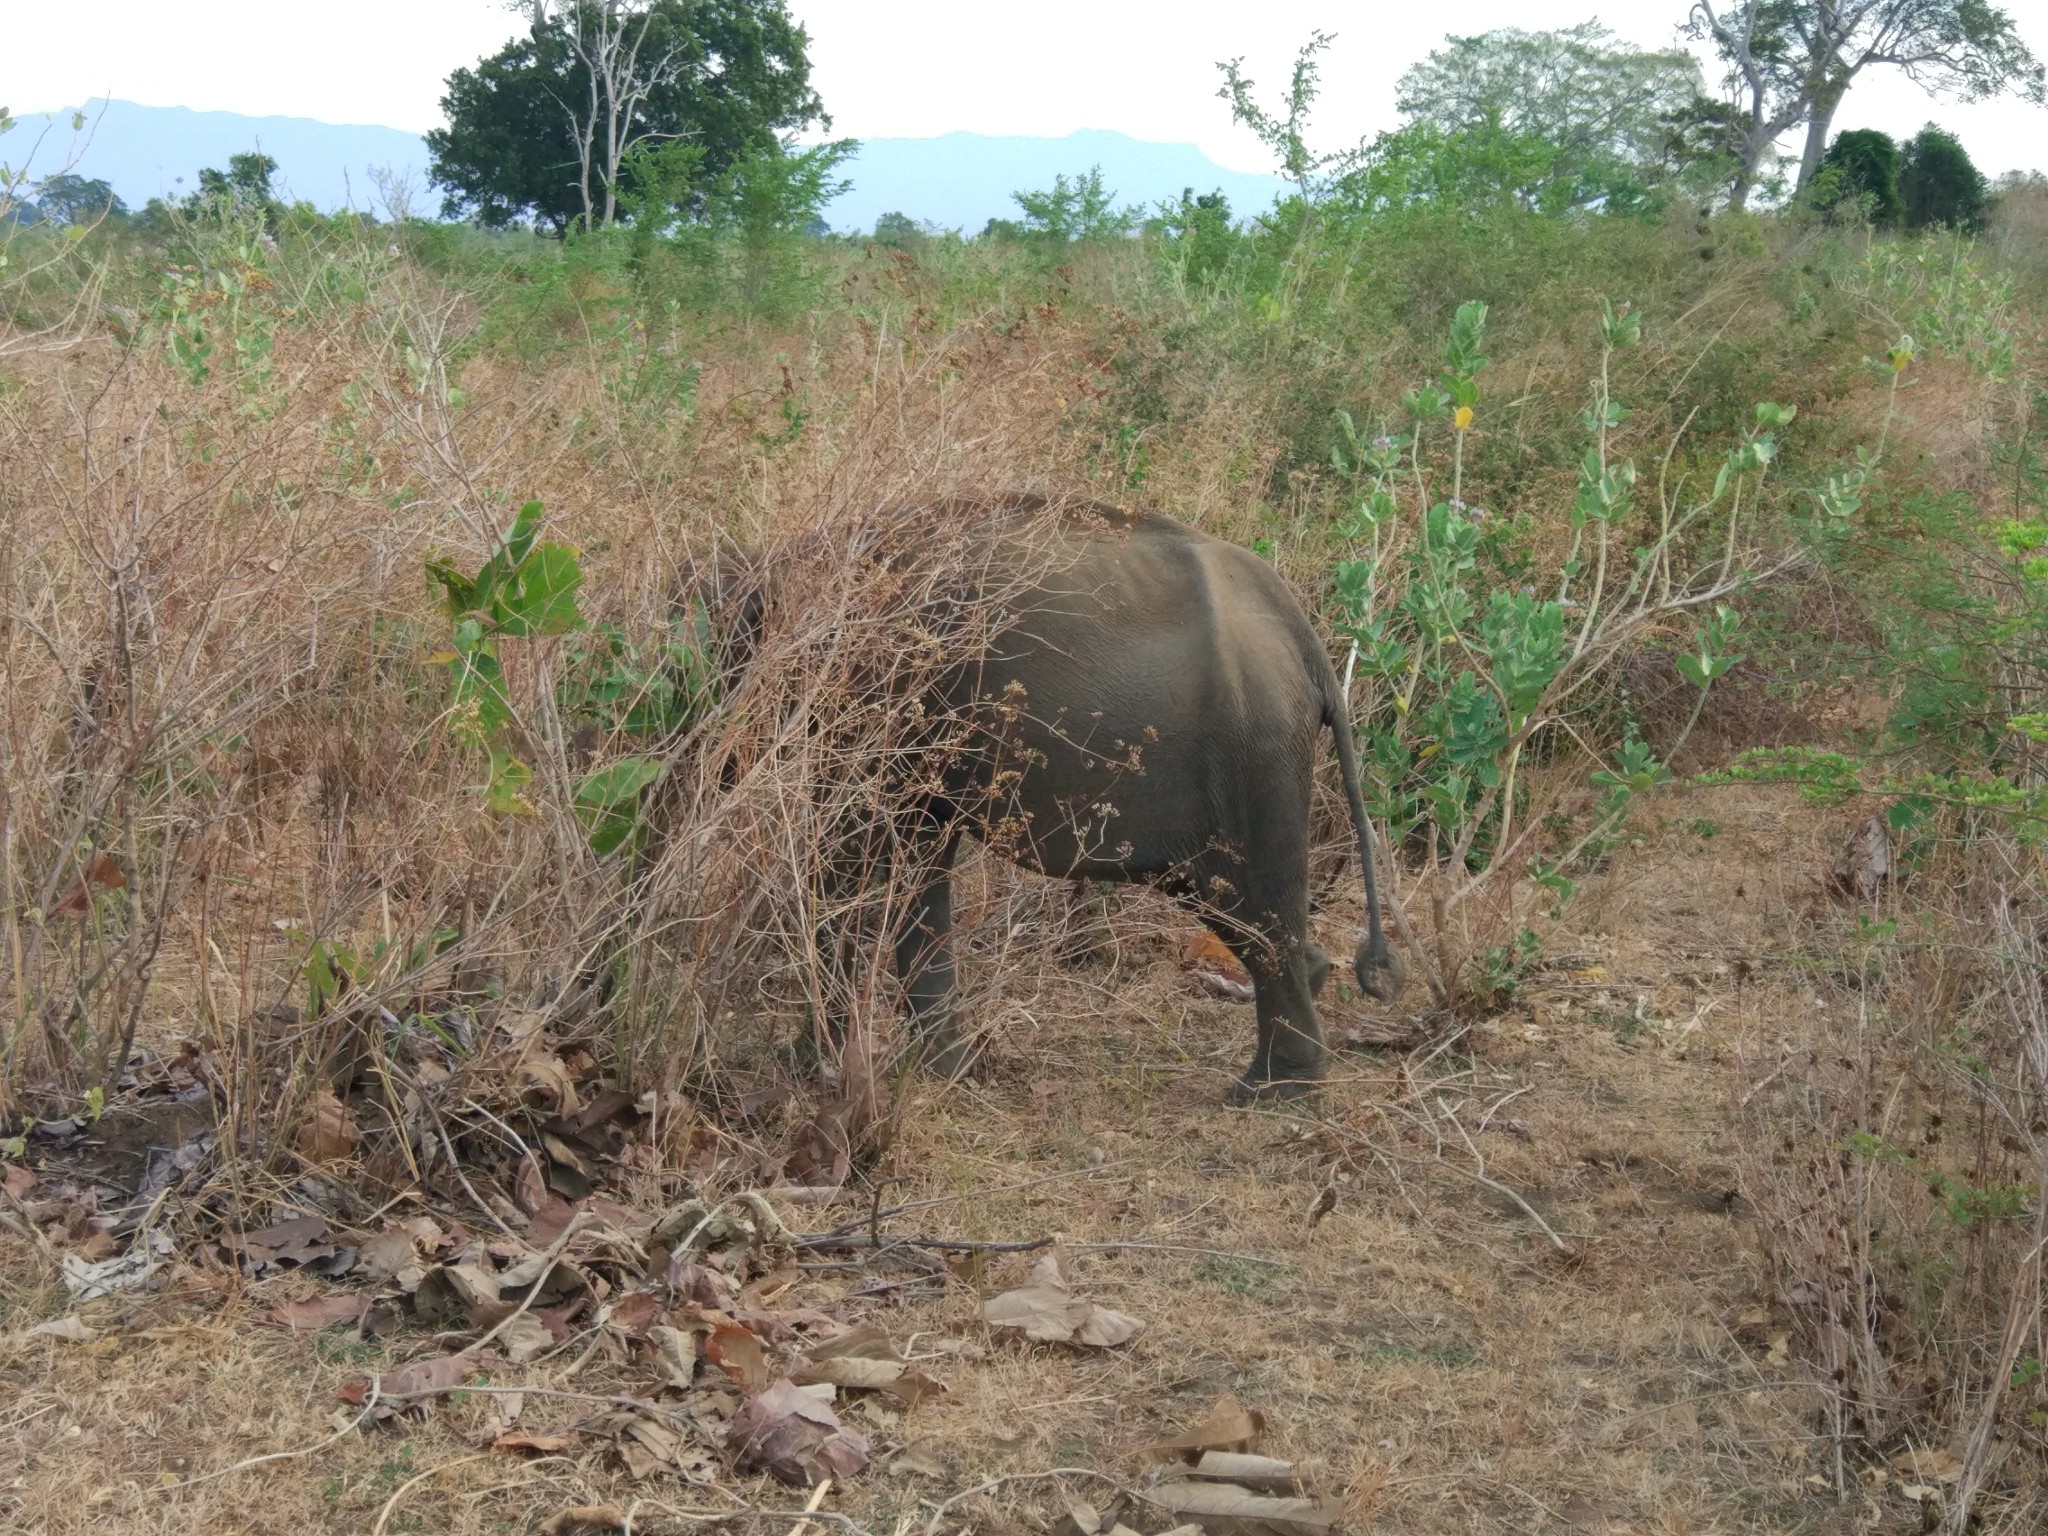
1939, 183
547, 128
1860, 171
1616, 117
67, 198
1792, 61
1069, 211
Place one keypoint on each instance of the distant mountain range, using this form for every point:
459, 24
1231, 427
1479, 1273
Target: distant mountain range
144, 152
962, 180
954, 181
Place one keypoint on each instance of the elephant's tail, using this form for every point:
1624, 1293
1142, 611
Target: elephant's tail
1379, 969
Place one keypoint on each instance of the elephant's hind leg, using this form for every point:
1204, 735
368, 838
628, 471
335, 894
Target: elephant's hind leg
924, 964
1290, 1057
1266, 926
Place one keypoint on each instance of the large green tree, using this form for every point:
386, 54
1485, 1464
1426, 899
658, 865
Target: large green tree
1939, 183
1860, 171
550, 126
1790, 62
69, 199
1617, 117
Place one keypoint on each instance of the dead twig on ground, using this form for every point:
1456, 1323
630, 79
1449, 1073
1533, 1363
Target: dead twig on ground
939, 1510
982, 1194
369, 1407
384, 1514
1438, 1161
552, 1257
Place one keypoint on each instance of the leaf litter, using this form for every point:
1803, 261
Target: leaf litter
1048, 1310
735, 1374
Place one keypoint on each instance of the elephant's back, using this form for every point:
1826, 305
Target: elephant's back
1134, 610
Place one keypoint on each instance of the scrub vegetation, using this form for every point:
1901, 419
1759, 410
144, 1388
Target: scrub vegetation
383, 848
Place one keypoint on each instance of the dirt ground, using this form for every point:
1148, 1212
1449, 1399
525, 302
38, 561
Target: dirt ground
1504, 1282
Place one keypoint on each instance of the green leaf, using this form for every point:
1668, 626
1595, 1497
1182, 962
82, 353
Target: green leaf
480, 693
539, 596
616, 783
608, 801
505, 792
458, 591
520, 536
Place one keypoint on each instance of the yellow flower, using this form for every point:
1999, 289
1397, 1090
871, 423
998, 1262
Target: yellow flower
1461, 418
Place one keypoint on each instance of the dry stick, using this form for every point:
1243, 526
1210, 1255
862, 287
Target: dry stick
577, 1223
384, 1515
745, 1512
1501, 1189
939, 1510
1027, 1245
1207, 1253
811, 1507
1439, 1161
369, 1407
944, 1244
981, 1194
455, 1167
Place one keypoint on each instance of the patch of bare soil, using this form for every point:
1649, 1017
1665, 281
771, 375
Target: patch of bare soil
1504, 1282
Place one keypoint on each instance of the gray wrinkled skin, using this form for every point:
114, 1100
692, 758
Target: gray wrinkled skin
1150, 712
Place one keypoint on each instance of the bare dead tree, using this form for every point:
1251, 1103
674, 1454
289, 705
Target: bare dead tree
625, 62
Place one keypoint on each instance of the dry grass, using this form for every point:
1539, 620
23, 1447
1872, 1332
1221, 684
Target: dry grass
1551, 1293
1423, 1340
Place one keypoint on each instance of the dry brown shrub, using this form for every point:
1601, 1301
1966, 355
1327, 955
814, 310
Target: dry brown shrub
229, 762
1900, 1171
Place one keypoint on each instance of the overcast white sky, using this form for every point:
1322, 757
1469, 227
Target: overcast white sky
886, 68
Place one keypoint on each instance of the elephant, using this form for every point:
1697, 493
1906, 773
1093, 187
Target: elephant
1146, 709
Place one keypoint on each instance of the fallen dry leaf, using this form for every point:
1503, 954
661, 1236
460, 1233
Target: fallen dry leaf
389, 1255
69, 1329
1202, 950
329, 1133
651, 1445
586, 1517
866, 1360
1229, 990
1863, 867
297, 1240
421, 1377
1229, 1426
1261, 1474
102, 873
1929, 1464
89, 1282
17, 1180
320, 1312
677, 1351
529, 1186
524, 1338
634, 1313
738, 1353
920, 1459
792, 1433
1046, 1309
700, 1285
476, 1286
